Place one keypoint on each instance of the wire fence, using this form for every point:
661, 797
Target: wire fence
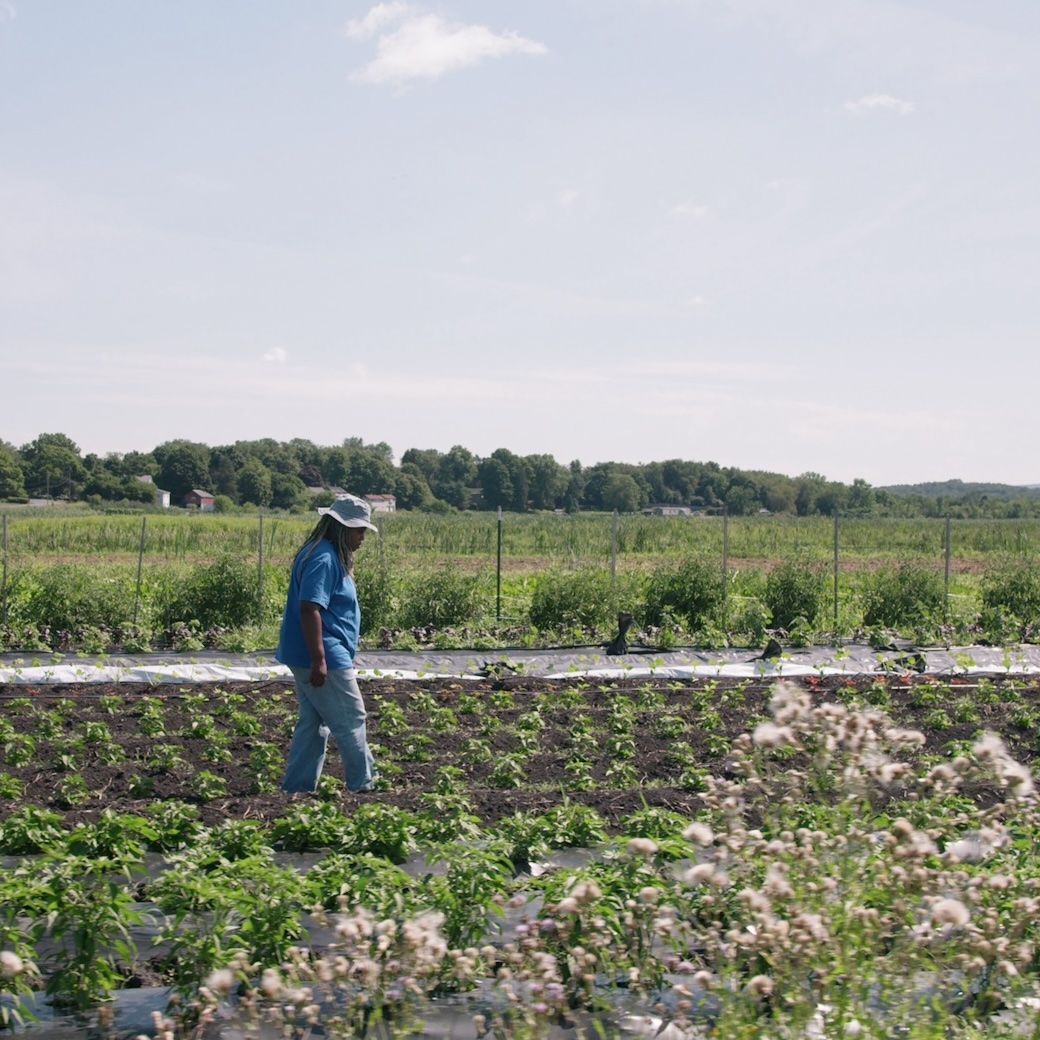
513, 544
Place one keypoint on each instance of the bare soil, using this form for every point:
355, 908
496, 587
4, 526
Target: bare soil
446, 722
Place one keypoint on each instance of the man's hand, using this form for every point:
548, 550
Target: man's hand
318, 673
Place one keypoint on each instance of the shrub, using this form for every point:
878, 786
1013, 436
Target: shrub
692, 591
794, 590
441, 598
903, 596
1013, 587
376, 592
222, 593
66, 597
582, 599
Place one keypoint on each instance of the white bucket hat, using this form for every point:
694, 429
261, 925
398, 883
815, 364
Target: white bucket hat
351, 511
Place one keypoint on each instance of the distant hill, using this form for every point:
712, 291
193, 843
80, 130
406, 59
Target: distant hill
960, 489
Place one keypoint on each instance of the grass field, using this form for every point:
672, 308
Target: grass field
539, 539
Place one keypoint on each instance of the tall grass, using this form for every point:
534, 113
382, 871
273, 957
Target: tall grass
551, 539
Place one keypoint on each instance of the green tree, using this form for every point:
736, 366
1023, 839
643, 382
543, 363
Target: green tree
183, 465
371, 474
456, 472
575, 491
861, 498
426, 460
223, 473
496, 483
519, 478
52, 465
254, 482
622, 493
412, 489
288, 491
12, 480
548, 481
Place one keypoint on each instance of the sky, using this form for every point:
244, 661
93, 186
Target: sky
787, 235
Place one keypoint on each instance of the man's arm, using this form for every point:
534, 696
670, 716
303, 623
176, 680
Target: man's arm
310, 620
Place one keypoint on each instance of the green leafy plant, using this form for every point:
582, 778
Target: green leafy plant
1013, 587
221, 593
310, 825
902, 597
794, 590
564, 600
30, 830
380, 830
443, 598
691, 591
84, 908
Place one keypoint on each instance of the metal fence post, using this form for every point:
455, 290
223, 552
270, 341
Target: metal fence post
613, 548
837, 635
140, 562
725, 566
946, 575
3, 597
260, 572
498, 570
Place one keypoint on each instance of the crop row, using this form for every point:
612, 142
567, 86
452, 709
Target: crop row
233, 604
838, 872
571, 738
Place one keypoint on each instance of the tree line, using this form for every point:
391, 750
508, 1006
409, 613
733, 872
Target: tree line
298, 474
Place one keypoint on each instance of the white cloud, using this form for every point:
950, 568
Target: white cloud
567, 198
380, 15
276, 355
879, 101
426, 46
7, 11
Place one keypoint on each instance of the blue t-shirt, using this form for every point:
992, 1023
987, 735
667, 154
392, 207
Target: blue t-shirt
318, 577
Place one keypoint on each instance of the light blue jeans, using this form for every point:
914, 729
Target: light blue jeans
335, 708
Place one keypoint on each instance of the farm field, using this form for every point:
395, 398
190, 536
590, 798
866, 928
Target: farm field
537, 539
99, 583
720, 816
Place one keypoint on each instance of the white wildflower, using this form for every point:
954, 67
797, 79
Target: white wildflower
768, 734
587, 891
989, 746
966, 850
221, 981
699, 834
789, 703
698, 874
760, 986
950, 911
270, 983
776, 885
909, 738
642, 847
